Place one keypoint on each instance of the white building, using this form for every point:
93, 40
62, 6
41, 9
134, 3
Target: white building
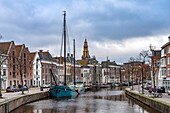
110, 72
42, 63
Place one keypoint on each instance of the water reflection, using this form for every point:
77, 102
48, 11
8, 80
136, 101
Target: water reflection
101, 101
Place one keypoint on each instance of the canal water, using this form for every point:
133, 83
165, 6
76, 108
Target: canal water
99, 101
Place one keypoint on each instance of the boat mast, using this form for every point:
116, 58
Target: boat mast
74, 62
65, 48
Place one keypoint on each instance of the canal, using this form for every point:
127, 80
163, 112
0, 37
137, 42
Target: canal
111, 100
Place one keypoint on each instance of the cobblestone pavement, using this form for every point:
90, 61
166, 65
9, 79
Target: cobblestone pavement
165, 98
11, 95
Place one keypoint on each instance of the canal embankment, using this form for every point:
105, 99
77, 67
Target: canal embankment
11, 101
159, 104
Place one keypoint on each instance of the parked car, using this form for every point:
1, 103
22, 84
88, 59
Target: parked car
168, 92
159, 89
12, 89
46, 85
25, 88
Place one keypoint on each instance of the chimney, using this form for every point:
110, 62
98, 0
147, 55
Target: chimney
68, 54
169, 38
41, 51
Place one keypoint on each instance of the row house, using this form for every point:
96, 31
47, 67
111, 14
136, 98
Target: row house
110, 72
59, 72
164, 67
90, 71
132, 71
77, 69
70, 69
42, 63
156, 63
17, 64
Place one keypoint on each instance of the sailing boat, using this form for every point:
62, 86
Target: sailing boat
63, 91
78, 86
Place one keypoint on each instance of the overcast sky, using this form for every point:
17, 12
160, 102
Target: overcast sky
119, 29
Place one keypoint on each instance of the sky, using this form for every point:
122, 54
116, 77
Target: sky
119, 29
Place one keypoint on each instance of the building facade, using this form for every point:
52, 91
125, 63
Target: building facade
110, 72
42, 63
164, 68
17, 64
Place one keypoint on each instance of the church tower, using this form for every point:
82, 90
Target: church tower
85, 50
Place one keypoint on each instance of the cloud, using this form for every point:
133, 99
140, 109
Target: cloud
114, 28
124, 49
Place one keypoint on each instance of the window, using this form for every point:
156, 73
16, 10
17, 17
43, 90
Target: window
163, 71
43, 70
168, 49
163, 61
4, 72
25, 75
168, 60
168, 71
13, 67
163, 51
14, 74
46, 78
36, 72
13, 60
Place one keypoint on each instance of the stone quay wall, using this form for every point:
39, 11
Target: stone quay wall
150, 102
14, 103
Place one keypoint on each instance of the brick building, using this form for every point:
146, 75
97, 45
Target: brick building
18, 62
164, 68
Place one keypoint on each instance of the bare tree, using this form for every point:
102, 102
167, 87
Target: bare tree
144, 54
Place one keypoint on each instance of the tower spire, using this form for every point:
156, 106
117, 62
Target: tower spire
85, 50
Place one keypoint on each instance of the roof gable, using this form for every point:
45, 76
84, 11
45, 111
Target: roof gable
4, 46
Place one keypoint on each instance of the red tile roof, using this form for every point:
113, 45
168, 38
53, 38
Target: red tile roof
4, 46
